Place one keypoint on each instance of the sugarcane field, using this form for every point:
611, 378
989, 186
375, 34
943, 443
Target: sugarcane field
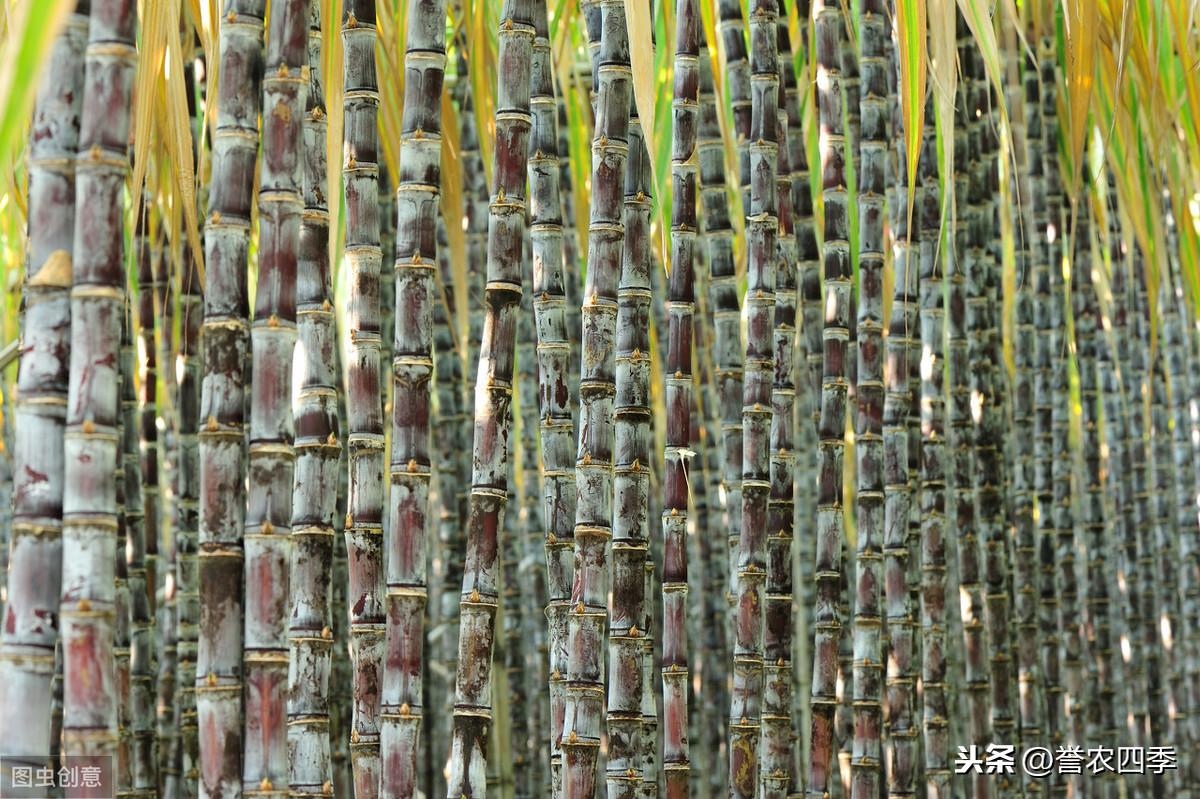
599, 399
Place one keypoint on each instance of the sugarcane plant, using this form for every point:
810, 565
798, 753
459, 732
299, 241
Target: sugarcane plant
467, 766
548, 217
869, 395
31, 613
318, 450
631, 477
587, 619
412, 371
903, 338
677, 399
364, 405
777, 773
225, 332
794, 549
270, 453
91, 443
830, 529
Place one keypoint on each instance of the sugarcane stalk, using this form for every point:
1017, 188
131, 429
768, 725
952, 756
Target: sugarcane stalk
762, 226
713, 221
1102, 718
450, 475
387, 271
549, 215
187, 516
810, 352
935, 719
632, 420
965, 330
1116, 474
271, 455
844, 719
1159, 464
993, 475
1048, 230
475, 196
318, 450
148, 464
902, 343
1178, 357
142, 766
493, 391
35, 551
528, 653
866, 762
188, 394
1025, 548
122, 776
705, 580
830, 522
725, 272
708, 581
222, 434
365, 440
89, 599
1070, 655
587, 620
677, 398
1117, 381
341, 692
449, 430
136, 766
412, 371
778, 758
570, 243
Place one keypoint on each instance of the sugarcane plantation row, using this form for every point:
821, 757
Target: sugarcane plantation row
540, 399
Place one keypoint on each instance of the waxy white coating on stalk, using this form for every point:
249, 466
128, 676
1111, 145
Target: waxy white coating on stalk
1025, 553
625, 770
222, 432
146, 474
830, 532
935, 724
678, 399
1117, 383
900, 438
89, 601
525, 650
549, 242
747, 703
871, 168
712, 217
30, 616
364, 406
270, 454
594, 463
1090, 347
451, 474
725, 271
139, 771
1048, 232
965, 336
468, 759
318, 450
412, 372
187, 501
1177, 357
1160, 468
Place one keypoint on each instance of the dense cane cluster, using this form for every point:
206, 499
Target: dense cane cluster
754, 399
